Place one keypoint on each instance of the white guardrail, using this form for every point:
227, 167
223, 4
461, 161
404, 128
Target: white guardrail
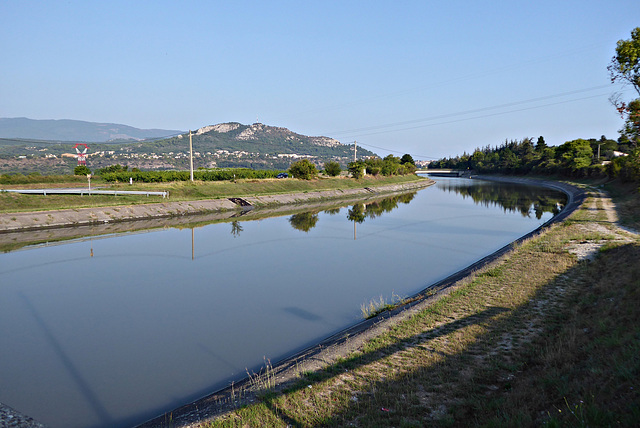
82, 192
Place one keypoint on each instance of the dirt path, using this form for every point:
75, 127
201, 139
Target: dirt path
601, 220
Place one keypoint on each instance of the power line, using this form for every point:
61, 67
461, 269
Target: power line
465, 119
483, 116
466, 112
475, 75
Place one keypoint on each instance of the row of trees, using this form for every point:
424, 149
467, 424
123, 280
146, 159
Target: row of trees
576, 158
200, 174
390, 165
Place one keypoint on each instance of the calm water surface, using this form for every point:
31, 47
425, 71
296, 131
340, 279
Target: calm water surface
112, 331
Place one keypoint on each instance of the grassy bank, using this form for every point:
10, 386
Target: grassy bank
185, 191
547, 335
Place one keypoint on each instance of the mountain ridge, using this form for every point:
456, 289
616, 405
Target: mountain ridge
229, 144
76, 130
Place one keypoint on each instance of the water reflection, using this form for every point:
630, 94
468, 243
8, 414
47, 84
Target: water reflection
510, 197
304, 221
236, 228
357, 213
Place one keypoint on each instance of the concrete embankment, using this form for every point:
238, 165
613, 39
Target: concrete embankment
38, 220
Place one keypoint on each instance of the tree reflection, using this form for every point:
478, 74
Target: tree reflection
236, 228
511, 197
304, 221
332, 211
360, 212
356, 213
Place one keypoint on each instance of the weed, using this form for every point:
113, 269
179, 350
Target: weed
376, 307
264, 380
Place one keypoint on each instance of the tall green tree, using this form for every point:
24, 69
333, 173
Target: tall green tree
625, 65
625, 68
356, 169
541, 144
407, 158
575, 154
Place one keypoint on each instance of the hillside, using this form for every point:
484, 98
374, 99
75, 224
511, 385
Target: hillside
257, 146
75, 130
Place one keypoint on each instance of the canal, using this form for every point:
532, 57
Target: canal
113, 330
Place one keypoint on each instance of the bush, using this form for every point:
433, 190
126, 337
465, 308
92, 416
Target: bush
112, 168
303, 169
81, 170
200, 175
332, 168
356, 169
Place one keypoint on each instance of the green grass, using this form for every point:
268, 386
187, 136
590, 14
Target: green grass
184, 191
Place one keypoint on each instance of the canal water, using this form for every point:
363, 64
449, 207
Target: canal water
114, 330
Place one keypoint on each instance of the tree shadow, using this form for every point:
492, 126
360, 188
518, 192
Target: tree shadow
356, 361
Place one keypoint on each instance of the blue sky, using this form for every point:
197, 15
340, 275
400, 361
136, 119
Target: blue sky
430, 78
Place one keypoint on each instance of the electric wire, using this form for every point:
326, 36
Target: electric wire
462, 113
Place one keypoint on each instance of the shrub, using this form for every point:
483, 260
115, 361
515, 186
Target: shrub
201, 175
356, 169
332, 168
303, 169
81, 170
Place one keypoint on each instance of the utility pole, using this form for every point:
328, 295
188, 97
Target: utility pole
355, 150
191, 155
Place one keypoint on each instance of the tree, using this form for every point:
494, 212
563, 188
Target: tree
303, 169
625, 67
112, 168
407, 158
332, 168
81, 170
476, 160
575, 154
356, 169
631, 128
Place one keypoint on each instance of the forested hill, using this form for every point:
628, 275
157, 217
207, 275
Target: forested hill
233, 144
258, 138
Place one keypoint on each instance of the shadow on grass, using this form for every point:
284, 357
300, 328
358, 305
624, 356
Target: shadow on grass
269, 399
579, 369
